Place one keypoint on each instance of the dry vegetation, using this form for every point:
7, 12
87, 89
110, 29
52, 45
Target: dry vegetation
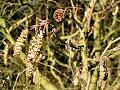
59, 44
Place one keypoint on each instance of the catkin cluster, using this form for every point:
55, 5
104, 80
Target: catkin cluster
33, 52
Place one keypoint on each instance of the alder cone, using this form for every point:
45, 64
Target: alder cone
59, 15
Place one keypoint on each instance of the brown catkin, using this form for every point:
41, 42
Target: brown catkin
29, 69
6, 49
35, 46
103, 72
20, 43
76, 78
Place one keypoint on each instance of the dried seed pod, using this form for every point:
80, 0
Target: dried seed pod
59, 15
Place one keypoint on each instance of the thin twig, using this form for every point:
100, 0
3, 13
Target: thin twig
110, 43
17, 78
